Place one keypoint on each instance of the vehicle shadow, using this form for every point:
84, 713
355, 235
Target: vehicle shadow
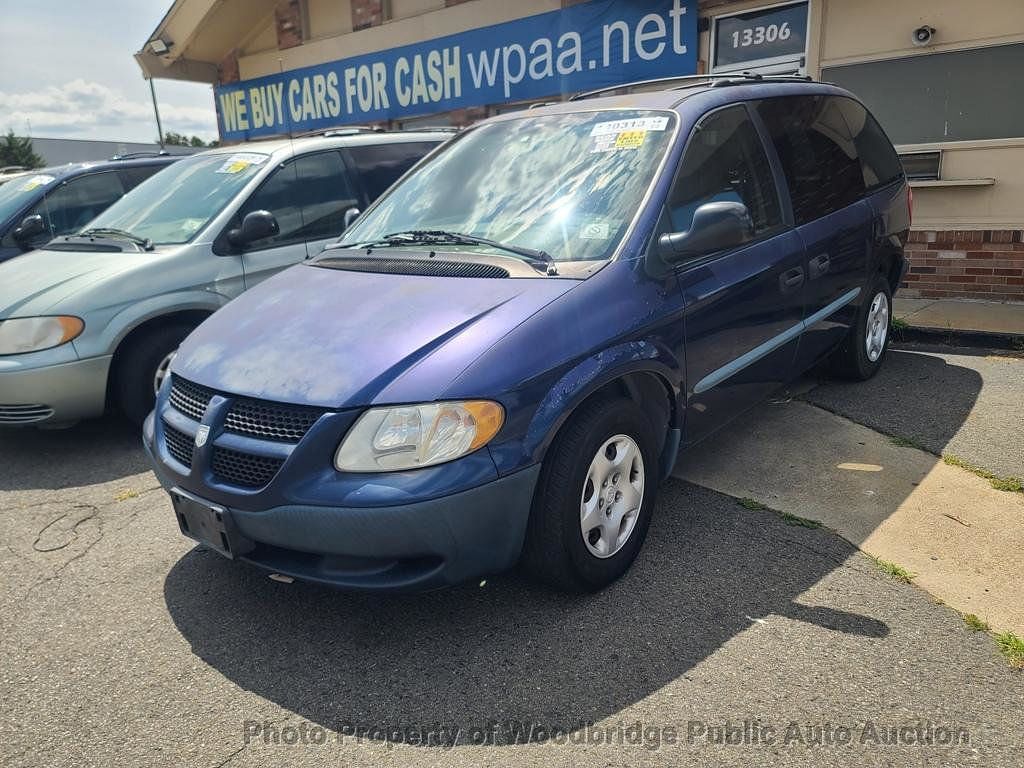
92, 452
508, 650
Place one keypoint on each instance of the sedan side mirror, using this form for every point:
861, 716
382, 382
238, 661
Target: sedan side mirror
256, 225
30, 228
351, 215
716, 227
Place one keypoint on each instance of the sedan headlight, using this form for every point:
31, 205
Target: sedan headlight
33, 334
412, 436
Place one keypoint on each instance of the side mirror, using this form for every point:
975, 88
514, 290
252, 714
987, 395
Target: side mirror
255, 226
716, 227
351, 215
31, 227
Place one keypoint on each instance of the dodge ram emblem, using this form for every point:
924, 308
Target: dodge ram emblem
201, 435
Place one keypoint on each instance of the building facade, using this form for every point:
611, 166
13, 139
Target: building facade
942, 76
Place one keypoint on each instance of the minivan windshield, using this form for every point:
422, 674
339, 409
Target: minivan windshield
568, 185
170, 207
16, 193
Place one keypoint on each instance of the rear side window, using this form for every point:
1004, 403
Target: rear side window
380, 165
818, 155
308, 196
725, 160
137, 174
879, 162
71, 206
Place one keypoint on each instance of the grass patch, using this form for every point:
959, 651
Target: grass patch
898, 572
975, 624
126, 493
906, 442
1011, 484
803, 522
752, 504
1012, 647
899, 324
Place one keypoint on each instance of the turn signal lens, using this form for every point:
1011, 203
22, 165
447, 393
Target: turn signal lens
411, 436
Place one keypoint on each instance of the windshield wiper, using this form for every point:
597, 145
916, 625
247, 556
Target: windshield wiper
540, 259
143, 242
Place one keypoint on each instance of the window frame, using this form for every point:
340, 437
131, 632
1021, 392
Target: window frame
64, 184
778, 182
222, 246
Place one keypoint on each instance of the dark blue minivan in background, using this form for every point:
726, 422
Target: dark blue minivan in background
499, 362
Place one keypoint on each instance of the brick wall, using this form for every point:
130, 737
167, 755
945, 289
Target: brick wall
966, 264
288, 20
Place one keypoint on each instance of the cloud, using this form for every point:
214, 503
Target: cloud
88, 109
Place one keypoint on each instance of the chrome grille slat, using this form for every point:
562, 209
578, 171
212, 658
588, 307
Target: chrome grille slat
24, 414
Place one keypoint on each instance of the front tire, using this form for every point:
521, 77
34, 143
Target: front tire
593, 503
863, 352
140, 365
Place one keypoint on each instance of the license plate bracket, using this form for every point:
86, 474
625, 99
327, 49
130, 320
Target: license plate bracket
209, 524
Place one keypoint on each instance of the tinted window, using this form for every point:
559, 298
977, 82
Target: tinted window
308, 196
71, 206
725, 160
135, 175
380, 165
818, 155
878, 159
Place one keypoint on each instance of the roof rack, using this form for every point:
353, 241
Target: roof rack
430, 129
13, 169
344, 130
687, 81
134, 155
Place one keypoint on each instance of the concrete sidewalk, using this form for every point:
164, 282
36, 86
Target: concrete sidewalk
956, 315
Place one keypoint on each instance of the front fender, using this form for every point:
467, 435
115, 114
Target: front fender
578, 383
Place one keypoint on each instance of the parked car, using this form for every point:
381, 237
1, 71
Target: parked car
37, 206
94, 318
500, 361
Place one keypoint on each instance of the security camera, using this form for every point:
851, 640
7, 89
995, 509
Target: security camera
923, 35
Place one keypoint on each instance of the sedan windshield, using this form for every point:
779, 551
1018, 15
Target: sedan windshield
565, 185
172, 206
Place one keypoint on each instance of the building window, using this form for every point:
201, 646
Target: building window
961, 95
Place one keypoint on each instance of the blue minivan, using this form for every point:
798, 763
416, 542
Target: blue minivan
502, 358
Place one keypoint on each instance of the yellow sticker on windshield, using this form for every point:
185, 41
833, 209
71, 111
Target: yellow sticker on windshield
40, 180
240, 161
630, 139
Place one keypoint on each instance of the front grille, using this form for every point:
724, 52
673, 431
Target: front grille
24, 414
191, 399
244, 469
179, 445
271, 421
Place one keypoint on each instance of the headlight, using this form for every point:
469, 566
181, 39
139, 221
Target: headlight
411, 436
32, 334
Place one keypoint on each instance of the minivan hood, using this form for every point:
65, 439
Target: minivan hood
335, 339
35, 283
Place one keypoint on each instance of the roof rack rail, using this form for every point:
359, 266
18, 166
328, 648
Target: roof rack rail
685, 81
341, 130
133, 155
13, 169
430, 129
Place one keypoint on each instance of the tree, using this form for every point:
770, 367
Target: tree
17, 150
181, 140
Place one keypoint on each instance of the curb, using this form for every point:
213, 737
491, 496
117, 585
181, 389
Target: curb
954, 337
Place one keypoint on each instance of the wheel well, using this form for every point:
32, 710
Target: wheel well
890, 267
191, 317
648, 390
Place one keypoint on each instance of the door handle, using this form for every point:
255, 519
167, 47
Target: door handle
791, 278
819, 265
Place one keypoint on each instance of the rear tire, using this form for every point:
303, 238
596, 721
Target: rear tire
863, 351
137, 368
594, 498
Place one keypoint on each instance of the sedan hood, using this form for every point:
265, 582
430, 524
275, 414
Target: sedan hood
34, 283
335, 338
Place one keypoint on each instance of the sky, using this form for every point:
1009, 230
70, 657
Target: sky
66, 71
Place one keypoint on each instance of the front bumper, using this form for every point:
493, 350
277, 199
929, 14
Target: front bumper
52, 394
414, 546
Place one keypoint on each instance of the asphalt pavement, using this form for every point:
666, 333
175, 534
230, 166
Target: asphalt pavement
736, 639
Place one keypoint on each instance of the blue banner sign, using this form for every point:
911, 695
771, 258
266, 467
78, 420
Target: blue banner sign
585, 46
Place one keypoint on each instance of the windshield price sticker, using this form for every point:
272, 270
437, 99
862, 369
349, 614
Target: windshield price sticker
623, 126
608, 142
241, 161
37, 181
